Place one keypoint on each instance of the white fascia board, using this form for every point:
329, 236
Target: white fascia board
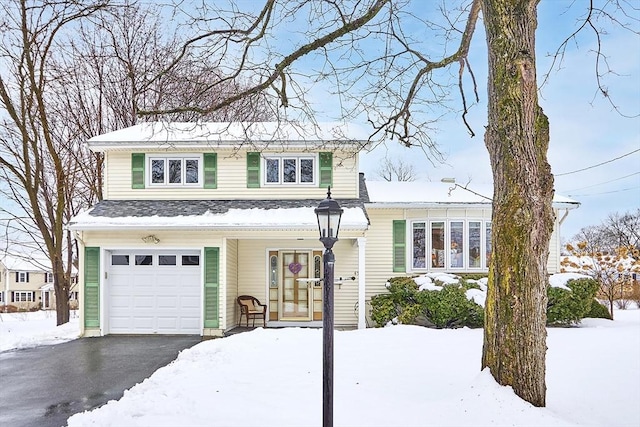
441, 205
223, 227
425, 205
566, 205
103, 146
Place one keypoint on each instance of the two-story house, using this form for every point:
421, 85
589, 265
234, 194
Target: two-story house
26, 283
21, 282
195, 215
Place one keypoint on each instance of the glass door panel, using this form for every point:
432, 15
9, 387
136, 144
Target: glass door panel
295, 292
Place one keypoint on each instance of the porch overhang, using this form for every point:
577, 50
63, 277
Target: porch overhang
234, 215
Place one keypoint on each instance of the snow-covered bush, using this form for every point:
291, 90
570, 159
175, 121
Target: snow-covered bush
570, 304
442, 300
443, 304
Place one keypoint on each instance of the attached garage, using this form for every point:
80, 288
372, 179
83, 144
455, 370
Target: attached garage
153, 292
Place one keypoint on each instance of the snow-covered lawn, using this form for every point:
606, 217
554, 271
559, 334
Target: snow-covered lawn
20, 330
394, 376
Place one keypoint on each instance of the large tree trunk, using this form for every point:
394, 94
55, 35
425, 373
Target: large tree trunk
517, 138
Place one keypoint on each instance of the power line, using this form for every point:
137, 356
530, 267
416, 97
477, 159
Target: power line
599, 164
601, 183
606, 192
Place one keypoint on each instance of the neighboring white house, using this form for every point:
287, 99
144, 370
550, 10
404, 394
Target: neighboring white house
197, 214
26, 282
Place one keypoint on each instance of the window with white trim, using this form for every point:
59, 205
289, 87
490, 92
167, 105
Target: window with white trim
290, 170
450, 244
22, 277
175, 171
48, 277
24, 296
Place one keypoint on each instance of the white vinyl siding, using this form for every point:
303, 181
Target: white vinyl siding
379, 262
555, 247
232, 184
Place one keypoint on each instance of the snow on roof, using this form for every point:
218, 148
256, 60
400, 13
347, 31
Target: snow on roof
267, 219
423, 193
185, 134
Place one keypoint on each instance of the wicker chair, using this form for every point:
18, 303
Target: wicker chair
250, 307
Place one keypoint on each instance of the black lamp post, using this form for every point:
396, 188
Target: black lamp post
328, 213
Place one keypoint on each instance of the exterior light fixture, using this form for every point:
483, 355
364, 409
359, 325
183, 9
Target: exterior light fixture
151, 239
329, 214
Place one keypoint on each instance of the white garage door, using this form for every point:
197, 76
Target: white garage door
151, 292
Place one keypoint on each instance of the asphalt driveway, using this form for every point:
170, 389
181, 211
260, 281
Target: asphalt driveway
44, 386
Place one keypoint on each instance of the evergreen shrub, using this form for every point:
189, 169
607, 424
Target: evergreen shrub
446, 308
598, 311
566, 307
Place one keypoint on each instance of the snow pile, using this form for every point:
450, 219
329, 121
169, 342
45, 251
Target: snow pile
560, 280
22, 330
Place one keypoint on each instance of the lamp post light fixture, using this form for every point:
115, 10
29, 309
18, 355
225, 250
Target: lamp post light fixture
329, 213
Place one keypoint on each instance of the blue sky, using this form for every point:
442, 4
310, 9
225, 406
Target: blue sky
585, 130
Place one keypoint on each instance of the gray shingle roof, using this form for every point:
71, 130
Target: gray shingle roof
173, 208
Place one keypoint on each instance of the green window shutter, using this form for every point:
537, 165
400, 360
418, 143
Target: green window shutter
137, 170
210, 170
326, 169
253, 170
399, 246
91, 287
211, 287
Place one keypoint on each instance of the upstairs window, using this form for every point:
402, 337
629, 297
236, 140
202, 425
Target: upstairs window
290, 170
175, 171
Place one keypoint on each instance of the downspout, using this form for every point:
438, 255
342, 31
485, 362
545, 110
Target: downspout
566, 213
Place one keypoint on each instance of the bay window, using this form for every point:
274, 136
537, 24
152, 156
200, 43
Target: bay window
450, 244
456, 240
475, 244
437, 244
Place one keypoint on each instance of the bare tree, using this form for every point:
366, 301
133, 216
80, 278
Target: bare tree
34, 152
615, 231
623, 229
75, 70
396, 170
378, 56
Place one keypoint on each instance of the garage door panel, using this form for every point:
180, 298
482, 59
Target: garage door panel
189, 302
141, 323
167, 302
148, 299
168, 323
144, 302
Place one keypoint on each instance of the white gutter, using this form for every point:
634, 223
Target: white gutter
225, 227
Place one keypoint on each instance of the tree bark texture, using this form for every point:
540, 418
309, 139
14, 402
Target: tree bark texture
517, 138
